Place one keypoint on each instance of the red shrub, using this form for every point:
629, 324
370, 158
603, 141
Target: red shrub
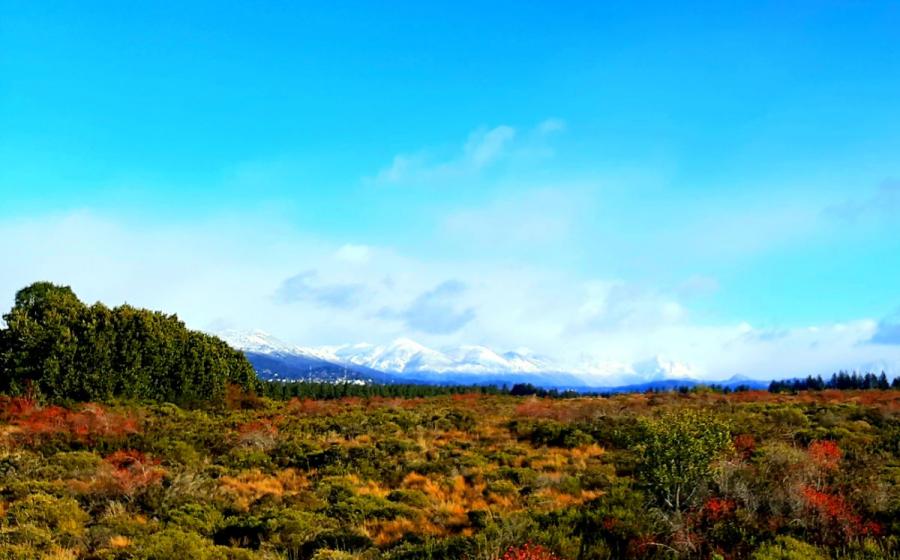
261, 434
13, 407
35, 424
752, 396
745, 445
571, 410
528, 551
133, 471
716, 509
872, 529
309, 407
825, 454
258, 426
238, 398
412, 403
837, 516
536, 408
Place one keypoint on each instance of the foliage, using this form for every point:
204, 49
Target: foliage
56, 347
528, 551
787, 548
698, 474
677, 451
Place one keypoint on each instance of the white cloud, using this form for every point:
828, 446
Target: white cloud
525, 218
483, 148
486, 145
402, 167
354, 254
614, 306
224, 272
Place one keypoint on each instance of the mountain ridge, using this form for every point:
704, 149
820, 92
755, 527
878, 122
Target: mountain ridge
407, 361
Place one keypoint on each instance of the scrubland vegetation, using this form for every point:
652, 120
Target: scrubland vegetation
677, 475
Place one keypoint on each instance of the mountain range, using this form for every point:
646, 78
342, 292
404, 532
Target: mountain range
406, 361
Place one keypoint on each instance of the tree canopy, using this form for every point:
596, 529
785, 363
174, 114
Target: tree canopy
57, 347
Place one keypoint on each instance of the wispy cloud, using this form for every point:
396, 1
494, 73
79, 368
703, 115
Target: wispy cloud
698, 285
765, 335
618, 306
549, 126
304, 287
354, 254
524, 218
888, 331
883, 203
487, 145
437, 311
484, 147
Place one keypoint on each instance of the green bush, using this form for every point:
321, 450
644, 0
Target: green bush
677, 451
62, 516
788, 548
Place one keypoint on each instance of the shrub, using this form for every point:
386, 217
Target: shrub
677, 451
62, 516
133, 471
788, 548
528, 551
177, 543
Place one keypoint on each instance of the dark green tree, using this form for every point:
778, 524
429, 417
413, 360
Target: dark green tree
59, 348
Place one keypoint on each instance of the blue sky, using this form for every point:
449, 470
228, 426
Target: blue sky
718, 184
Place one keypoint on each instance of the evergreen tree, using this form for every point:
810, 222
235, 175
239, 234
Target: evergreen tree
57, 347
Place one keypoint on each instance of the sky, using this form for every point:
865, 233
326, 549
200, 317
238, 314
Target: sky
718, 184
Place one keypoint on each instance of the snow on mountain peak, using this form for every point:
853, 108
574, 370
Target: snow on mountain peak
260, 342
406, 356
257, 341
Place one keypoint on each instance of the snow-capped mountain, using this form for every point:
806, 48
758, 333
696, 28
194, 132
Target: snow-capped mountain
407, 360
407, 356
401, 356
274, 359
261, 342
255, 341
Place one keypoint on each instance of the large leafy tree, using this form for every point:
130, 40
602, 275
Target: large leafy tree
60, 348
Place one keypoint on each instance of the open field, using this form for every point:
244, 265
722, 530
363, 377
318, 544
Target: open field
695, 475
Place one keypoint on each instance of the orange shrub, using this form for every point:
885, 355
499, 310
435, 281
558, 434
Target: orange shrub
745, 445
133, 471
34, 424
825, 454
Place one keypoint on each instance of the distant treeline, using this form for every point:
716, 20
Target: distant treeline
54, 347
282, 390
841, 381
